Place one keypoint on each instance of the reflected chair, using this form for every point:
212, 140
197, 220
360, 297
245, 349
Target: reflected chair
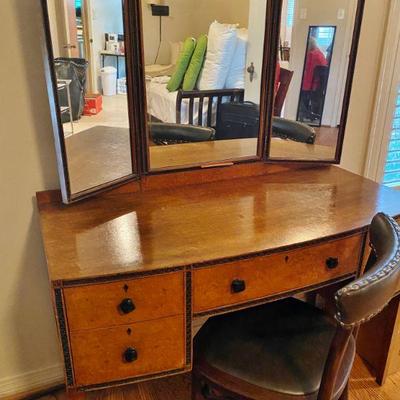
164, 134
291, 350
285, 77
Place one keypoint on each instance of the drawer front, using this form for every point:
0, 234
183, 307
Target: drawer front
124, 302
149, 347
242, 281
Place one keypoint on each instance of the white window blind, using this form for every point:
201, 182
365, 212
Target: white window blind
392, 167
290, 13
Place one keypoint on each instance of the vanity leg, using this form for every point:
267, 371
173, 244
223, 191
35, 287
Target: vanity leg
73, 394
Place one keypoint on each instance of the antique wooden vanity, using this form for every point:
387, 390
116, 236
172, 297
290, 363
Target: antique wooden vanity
194, 229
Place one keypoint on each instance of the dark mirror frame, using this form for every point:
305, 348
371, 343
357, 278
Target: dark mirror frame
133, 103
137, 104
347, 91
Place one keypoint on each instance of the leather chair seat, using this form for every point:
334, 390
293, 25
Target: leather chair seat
280, 348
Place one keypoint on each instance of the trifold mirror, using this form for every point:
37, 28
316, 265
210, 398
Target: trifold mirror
143, 87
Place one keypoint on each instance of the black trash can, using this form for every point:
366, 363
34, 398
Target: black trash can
74, 69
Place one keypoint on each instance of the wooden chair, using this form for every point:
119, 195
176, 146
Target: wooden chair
290, 350
285, 77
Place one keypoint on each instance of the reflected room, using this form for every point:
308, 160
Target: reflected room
88, 45
314, 48
203, 63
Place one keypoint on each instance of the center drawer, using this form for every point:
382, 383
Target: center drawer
242, 281
123, 352
125, 301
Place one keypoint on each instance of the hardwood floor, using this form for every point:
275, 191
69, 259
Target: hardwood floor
362, 387
326, 136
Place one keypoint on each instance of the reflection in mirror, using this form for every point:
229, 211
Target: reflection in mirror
203, 80
89, 64
316, 74
315, 43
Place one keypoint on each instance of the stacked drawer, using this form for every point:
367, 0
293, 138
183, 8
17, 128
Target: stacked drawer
126, 329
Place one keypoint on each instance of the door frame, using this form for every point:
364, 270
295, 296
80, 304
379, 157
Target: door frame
87, 18
385, 103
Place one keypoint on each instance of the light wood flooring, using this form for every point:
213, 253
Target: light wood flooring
362, 387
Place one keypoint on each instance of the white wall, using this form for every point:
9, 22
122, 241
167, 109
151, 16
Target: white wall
29, 353
187, 18
255, 49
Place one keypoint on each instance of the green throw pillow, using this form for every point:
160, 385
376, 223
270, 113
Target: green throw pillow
196, 64
182, 64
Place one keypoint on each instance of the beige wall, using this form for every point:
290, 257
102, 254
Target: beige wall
28, 343
188, 18
365, 83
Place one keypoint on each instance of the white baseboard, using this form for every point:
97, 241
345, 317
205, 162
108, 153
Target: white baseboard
31, 381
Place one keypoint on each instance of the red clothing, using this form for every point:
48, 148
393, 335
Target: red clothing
277, 77
315, 58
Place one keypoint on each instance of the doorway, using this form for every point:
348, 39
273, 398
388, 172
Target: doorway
78, 36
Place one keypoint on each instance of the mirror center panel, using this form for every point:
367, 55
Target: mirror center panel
203, 73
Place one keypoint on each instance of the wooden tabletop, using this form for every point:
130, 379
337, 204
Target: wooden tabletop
125, 233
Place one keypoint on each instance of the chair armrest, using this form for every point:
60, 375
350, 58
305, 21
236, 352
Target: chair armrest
163, 133
293, 130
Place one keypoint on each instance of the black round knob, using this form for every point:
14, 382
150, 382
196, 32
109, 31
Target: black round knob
332, 262
130, 355
127, 306
238, 286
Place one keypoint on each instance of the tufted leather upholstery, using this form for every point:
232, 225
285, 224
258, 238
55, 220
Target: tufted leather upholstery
163, 133
367, 296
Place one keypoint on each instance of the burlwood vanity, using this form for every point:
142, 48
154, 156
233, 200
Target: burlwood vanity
193, 229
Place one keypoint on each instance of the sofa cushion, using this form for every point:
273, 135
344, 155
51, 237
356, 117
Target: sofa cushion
182, 64
196, 63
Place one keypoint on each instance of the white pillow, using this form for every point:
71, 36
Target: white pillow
237, 70
220, 50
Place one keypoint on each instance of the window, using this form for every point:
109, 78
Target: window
392, 167
290, 13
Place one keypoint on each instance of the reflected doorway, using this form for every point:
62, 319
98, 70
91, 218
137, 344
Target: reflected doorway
317, 64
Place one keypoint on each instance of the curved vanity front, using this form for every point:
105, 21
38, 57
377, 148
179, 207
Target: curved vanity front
131, 270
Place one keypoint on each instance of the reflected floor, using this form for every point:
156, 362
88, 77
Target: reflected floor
115, 113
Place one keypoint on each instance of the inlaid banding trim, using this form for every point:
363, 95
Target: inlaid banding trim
121, 277
188, 318
64, 336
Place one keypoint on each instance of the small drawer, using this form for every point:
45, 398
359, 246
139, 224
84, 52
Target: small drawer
125, 301
239, 282
129, 351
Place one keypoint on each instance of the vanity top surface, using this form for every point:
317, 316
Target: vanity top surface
139, 232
